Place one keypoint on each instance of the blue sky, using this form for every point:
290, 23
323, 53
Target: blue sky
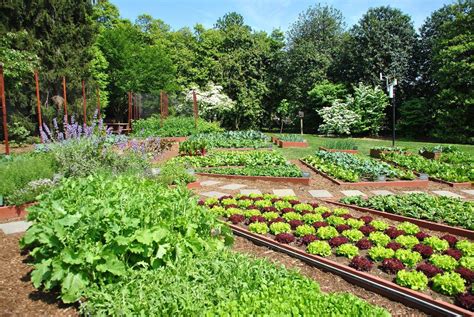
263, 14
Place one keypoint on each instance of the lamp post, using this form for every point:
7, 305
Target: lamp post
390, 84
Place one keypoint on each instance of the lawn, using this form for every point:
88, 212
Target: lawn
364, 145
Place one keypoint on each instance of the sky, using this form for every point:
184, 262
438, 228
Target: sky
263, 15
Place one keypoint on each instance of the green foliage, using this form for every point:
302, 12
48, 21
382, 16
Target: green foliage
467, 262
415, 117
304, 230
172, 127
234, 139
325, 93
436, 243
344, 144
321, 248
303, 206
279, 227
379, 238
408, 227
16, 172
348, 250
259, 227
450, 283
327, 233
175, 174
353, 235
444, 262
270, 216
263, 170
466, 247
378, 253
292, 216
291, 138
409, 258
335, 220
92, 230
193, 147
338, 119
379, 225
311, 218
452, 211
407, 242
412, 279
355, 223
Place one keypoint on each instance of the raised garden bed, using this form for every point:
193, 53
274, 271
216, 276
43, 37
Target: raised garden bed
175, 139
338, 150
286, 144
193, 185
433, 267
293, 180
431, 155
9, 212
378, 152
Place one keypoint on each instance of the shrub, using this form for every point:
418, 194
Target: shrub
414, 280
379, 225
321, 248
407, 241
444, 262
425, 250
409, 258
308, 239
304, 230
285, 238
450, 283
361, 263
327, 233
466, 247
337, 241
280, 227
259, 227
467, 261
408, 227
348, 250
172, 127
353, 235
378, 253
364, 244
379, 238
429, 269
392, 266
436, 243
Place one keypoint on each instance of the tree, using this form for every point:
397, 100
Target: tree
325, 93
338, 119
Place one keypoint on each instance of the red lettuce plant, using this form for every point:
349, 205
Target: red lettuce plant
304, 212
252, 207
201, 202
307, 239
361, 263
319, 224
225, 197
346, 216
393, 232
231, 206
393, 245
337, 241
452, 240
294, 202
466, 301
342, 228
274, 200
269, 209
367, 229
422, 235
285, 210
392, 266
236, 218
295, 223
364, 244
428, 269
425, 250
454, 253
257, 198
314, 205
279, 219
326, 214
466, 274
285, 238
257, 219
366, 219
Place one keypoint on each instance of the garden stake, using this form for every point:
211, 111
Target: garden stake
84, 102
4, 110
38, 106
65, 100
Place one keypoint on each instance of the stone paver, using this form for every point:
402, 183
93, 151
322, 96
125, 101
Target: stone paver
413, 192
233, 186
468, 191
210, 183
320, 193
447, 193
213, 194
382, 192
250, 191
284, 192
349, 193
15, 227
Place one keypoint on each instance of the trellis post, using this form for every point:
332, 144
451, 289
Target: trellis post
4, 111
38, 106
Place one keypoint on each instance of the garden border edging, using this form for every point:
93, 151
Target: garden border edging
294, 180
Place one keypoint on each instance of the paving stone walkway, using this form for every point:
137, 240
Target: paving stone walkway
14, 227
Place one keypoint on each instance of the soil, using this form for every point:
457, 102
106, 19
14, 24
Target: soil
18, 296
328, 282
16, 149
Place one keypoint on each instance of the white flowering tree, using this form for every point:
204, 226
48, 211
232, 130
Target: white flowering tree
213, 102
338, 119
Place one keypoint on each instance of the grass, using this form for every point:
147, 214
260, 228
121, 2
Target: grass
363, 144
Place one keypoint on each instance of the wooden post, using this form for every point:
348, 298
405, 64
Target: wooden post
38, 106
4, 111
196, 113
98, 102
130, 111
84, 102
65, 100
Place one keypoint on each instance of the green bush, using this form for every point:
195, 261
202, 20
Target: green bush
172, 127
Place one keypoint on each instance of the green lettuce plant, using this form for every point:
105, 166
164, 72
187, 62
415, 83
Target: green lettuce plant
378, 253
412, 279
327, 233
379, 238
348, 250
304, 230
321, 248
409, 258
259, 227
444, 262
450, 283
280, 227
436, 243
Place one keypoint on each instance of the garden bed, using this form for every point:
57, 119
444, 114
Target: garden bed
338, 150
352, 242
294, 180
175, 138
395, 183
286, 144
11, 212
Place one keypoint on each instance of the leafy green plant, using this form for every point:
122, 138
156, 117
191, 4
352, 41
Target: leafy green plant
436, 243
467, 262
270, 216
379, 238
444, 262
466, 247
193, 147
379, 253
172, 127
310, 218
281, 204
379, 225
291, 138
335, 220
302, 206
408, 227
233, 139
340, 211
327, 233
259, 227
412, 279
304, 230
348, 250
321, 248
280, 227
450, 283
292, 216
251, 212
353, 235
409, 258
342, 144
355, 223
407, 241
